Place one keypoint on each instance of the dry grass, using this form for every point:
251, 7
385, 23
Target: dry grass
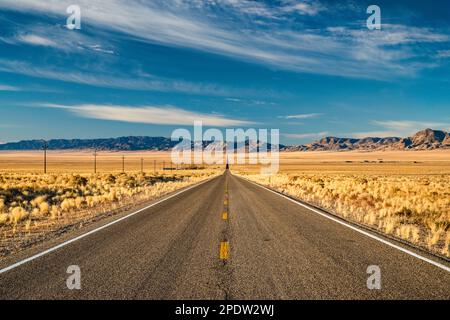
405, 194
408, 198
32, 205
380, 162
83, 161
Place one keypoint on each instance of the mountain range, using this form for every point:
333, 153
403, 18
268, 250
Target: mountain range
122, 143
427, 139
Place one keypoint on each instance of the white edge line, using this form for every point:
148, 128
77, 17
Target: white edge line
437, 264
36, 256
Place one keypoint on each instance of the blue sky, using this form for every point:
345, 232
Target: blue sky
307, 67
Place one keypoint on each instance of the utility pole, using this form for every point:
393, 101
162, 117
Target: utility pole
154, 166
164, 166
123, 164
45, 148
95, 161
142, 165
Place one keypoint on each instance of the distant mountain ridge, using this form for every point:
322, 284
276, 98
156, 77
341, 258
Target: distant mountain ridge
427, 139
131, 143
122, 143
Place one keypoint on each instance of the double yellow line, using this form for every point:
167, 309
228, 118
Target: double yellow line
224, 250
225, 203
224, 253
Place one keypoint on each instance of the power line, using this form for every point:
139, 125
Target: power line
45, 148
95, 161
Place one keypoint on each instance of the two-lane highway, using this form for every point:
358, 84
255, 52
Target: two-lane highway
276, 249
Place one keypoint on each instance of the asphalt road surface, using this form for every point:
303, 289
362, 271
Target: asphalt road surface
226, 239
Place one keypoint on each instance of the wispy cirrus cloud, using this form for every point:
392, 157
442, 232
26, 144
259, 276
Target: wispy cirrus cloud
160, 115
308, 7
313, 135
117, 81
36, 40
233, 99
443, 54
347, 51
302, 116
65, 43
399, 128
5, 87
57, 37
260, 8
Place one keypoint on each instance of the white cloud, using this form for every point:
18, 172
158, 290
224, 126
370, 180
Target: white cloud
400, 128
302, 7
411, 126
311, 8
443, 54
36, 40
99, 78
99, 48
4, 87
233, 99
306, 135
302, 116
58, 37
259, 8
161, 115
340, 51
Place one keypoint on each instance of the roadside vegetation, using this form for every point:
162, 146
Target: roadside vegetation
414, 208
33, 206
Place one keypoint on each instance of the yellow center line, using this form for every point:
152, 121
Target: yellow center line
225, 216
224, 250
225, 202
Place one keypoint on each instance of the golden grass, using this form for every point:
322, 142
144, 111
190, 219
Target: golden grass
35, 204
83, 161
402, 193
389, 162
407, 194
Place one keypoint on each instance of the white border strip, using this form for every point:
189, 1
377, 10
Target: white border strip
437, 264
15, 265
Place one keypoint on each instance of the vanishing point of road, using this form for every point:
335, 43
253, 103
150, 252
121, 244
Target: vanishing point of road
226, 238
